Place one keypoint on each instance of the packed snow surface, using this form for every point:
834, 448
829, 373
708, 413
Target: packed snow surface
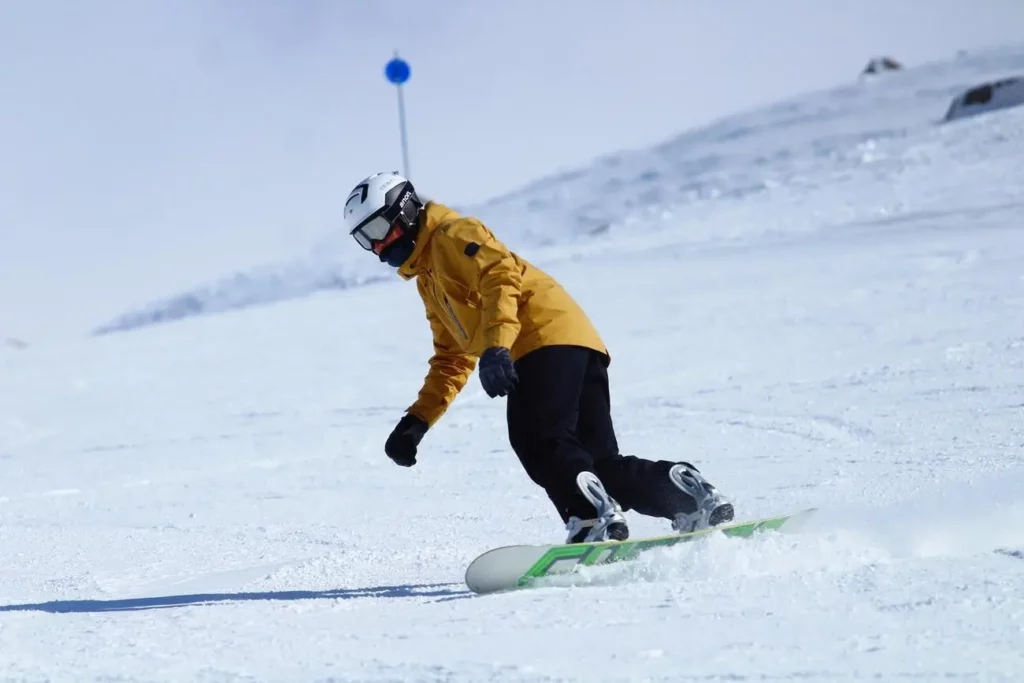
209, 499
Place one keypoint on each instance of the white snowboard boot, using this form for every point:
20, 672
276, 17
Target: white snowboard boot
608, 525
712, 508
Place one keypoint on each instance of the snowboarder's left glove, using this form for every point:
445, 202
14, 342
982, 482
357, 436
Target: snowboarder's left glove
405, 437
497, 373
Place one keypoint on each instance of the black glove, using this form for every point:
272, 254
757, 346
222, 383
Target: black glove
496, 372
405, 437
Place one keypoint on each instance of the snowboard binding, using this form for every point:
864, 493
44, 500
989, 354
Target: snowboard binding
711, 507
608, 525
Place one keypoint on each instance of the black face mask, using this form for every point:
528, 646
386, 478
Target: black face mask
399, 251
408, 222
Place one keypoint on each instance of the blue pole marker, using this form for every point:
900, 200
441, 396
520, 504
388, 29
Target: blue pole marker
397, 72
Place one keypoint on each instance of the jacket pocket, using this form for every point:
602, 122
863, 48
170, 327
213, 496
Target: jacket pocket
460, 294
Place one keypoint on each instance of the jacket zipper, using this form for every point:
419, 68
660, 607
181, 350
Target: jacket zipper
451, 314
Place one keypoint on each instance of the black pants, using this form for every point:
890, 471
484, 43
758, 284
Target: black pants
559, 424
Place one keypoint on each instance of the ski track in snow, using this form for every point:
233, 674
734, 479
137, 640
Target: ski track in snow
209, 500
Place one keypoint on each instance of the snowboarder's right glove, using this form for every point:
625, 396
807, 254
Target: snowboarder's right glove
405, 437
497, 373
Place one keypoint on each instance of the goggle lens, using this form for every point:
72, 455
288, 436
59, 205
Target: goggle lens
373, 232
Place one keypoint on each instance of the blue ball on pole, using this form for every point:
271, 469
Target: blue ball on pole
397, 71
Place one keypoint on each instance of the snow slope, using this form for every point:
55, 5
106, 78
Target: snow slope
209, 500
786, 147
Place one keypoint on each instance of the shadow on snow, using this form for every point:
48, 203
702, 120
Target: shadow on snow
426, 590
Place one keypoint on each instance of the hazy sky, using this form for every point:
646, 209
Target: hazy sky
149, 145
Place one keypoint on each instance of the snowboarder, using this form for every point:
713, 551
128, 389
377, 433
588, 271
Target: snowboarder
491, 310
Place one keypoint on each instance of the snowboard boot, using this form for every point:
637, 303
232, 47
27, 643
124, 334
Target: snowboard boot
608, 525
709, 508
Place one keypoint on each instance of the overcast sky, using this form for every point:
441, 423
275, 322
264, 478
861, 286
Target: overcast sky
148, 145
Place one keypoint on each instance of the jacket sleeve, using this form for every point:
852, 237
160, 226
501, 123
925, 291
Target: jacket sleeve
498, 277
449, 371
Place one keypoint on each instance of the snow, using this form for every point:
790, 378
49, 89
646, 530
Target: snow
209, 500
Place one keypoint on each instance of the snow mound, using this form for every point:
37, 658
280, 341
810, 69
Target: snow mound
260, 286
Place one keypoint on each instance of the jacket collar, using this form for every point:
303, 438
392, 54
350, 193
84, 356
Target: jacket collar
432, 216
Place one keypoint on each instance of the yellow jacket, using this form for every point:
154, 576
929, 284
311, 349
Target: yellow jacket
478, 294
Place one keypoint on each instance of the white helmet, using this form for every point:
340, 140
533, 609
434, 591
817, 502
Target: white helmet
381, 213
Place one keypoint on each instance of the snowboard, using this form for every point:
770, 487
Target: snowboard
518, 566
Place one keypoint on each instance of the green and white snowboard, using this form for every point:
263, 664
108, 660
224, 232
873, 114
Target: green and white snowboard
517, 566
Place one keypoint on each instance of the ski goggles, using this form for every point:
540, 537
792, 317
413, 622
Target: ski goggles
377, 233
